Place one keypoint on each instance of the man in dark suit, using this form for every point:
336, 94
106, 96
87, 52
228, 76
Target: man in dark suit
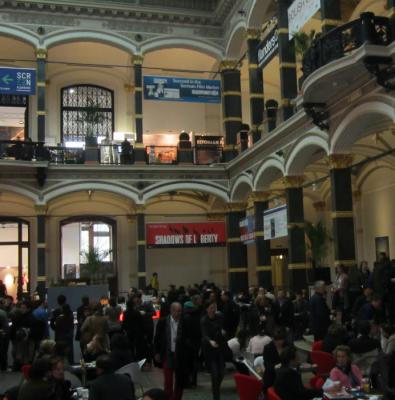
110, 386
319, 312
171, 349
283, 310
288, 384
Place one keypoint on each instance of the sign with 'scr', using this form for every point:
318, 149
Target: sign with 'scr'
17, 81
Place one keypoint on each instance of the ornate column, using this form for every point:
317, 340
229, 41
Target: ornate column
330, 15
41, 211
141, 244
342, 208
41, 58
286, 51
391, 15
231, 106
263, 254
237, 251
139, 150
256, 83
297, 265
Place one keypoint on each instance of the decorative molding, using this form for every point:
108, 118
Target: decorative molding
253, 33
293, 181
138, 59
227, 65
41, 209
319, 206
340, 161
41, 54
235, 207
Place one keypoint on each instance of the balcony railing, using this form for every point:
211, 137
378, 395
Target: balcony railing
368, 29
106, 154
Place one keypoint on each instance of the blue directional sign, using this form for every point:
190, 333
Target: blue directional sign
17, 81
164, 88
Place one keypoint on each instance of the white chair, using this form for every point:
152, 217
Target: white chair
133, 370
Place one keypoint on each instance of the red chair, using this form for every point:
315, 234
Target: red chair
324, 361
317, 382
25, 370
317, 345
248, 387
272, 395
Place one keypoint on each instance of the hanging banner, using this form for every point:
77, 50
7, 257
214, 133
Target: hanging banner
247, 229
299, 12
163, 88
191, 234
17, 81
268, 48
275, 222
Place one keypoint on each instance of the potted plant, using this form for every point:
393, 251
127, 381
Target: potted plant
318, 237
93, 264
303, 42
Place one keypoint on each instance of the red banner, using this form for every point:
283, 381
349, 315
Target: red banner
191, 234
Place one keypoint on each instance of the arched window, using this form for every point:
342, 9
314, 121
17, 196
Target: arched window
86, 110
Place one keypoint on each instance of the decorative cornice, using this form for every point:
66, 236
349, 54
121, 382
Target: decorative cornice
41, 54
227, 65
340, 161
291, 181
138, 60
253, 33
40, 209
235, 207
215, 216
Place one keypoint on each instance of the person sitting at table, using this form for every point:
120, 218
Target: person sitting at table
120, 351
61, 386
37, 385
349, 375
336, 336
96, 347
288, 383
108, 385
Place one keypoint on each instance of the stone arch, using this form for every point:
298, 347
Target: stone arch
241, 188
303, 151
257, 13
164, 187
84, 35
371, 116
118, 188
21, 190
236, 40
369, 170
270, 170
201, 46
20, 33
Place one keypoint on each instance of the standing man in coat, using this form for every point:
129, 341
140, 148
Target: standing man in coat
170, 348
319, 312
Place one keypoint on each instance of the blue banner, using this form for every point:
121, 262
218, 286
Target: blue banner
163, 88
17, 81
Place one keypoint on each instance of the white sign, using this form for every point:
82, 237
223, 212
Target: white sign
275, 222
299, 12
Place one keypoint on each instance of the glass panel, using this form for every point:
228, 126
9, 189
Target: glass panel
9, 232
25, 268
9, 268
25, 232
70, 251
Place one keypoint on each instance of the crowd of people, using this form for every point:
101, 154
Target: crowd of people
203, 327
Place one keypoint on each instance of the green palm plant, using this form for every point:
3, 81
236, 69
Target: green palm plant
92, 261
318, 237
303, 41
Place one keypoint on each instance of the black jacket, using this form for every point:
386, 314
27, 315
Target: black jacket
319, 315
289, 386
112, 386
284, 313
270, 359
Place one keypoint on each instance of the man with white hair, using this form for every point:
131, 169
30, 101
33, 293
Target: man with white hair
319, 312
170, 351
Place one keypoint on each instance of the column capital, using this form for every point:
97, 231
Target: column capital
129, 88
215, 216
41, 209
256, 197
356, 194
253, 33
293, 181
131, 218
235, 207
340, 161
41, 54
226, 65
139, 208
138, 59
319, 206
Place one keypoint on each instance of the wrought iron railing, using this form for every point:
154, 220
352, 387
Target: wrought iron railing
368, 29
106, 154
